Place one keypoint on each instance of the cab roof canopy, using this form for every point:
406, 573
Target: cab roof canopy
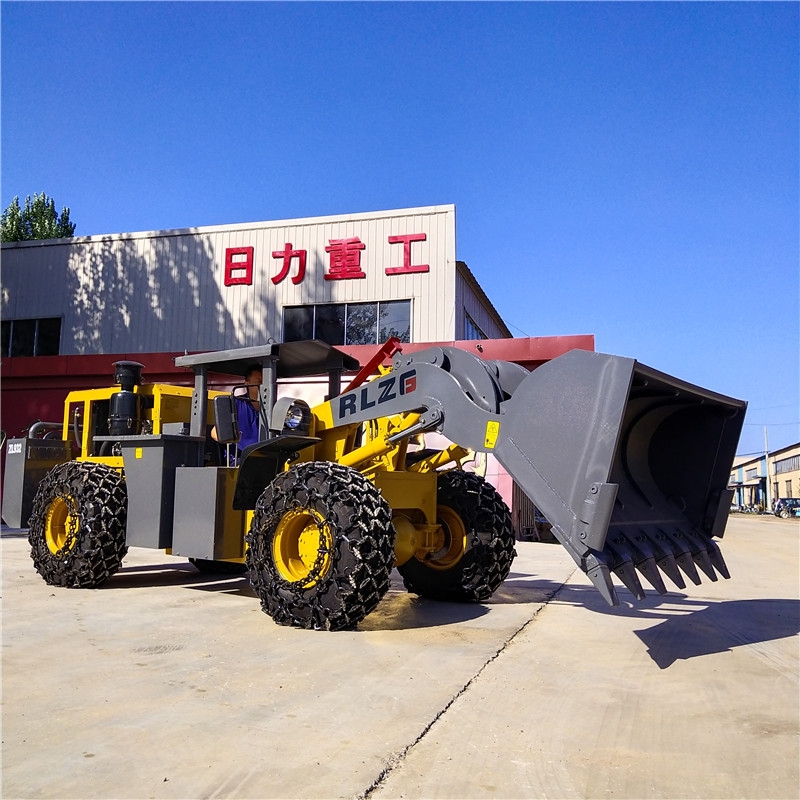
294, 359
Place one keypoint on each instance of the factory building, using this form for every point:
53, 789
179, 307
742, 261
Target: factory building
349, 280
70, 307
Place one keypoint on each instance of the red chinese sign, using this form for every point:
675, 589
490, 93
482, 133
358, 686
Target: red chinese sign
287, 254
407, 265
344, 261
238, 266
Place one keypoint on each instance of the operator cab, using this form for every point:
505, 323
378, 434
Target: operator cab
284, 423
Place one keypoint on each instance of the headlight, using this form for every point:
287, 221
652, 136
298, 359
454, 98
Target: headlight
294, 418
291, 415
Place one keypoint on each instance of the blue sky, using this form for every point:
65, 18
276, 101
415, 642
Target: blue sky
623, 169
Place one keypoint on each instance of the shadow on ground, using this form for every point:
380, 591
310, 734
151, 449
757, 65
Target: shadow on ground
689, 628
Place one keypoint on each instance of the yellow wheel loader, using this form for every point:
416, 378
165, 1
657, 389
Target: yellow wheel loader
628, 464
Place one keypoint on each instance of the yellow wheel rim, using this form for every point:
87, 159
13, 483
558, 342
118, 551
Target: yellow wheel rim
302, 547
61, 525
451, 540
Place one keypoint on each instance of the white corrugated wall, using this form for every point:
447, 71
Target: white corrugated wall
165, 291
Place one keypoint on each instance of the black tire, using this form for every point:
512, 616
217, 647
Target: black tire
210, 566
477, 543
321, 547
784, 513
77, 527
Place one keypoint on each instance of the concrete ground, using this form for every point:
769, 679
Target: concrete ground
170, 684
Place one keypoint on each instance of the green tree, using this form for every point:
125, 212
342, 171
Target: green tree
38, 220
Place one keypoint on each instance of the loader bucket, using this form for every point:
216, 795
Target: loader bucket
630, 466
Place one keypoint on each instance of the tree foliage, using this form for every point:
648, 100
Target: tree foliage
38, 220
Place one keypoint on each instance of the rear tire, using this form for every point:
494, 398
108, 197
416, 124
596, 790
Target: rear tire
77, 527
321, 547
477, 543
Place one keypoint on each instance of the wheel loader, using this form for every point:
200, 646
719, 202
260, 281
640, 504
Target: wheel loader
628, 464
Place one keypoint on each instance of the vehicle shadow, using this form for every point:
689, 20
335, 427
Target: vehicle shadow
178, 574
719, 627
692, 627
400, 610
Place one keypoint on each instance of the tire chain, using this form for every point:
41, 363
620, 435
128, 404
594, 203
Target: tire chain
488, 560
360, 566
493, 558
97, 499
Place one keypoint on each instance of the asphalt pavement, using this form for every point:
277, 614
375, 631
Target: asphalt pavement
166, 683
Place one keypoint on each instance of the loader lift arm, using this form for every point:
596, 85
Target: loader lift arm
630, 465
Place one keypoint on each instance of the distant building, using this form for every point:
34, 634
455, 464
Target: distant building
750, 477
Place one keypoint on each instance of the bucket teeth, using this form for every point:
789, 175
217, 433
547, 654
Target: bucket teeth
649, 569
715, 554
683, 555
600, 576
665, 557
673, 551
700, 555
669, 566
627, 574
647, 564
622, 564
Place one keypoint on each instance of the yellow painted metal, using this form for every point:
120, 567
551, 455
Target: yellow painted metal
412, 540
451, 541
115, 462
61, 524
377, 445
408, 491
450, 455
163, 403
302, 542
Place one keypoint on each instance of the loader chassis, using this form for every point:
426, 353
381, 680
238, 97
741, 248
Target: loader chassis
629, 465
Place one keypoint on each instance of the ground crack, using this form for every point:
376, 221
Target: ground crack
396, 759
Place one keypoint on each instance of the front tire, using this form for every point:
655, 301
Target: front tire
476, 546
321, 547
77, 527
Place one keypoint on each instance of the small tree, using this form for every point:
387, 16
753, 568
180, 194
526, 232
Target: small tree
38, 220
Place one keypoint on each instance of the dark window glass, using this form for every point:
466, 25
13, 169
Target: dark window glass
362, 323
298, 323
6, 327
330, 323
48, 337
23, 336
471, 330
395, 320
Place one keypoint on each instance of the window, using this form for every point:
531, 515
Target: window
395, 320
348, 323
329, 323
31, 337
471, 330
787, 464
298, 323
362, 323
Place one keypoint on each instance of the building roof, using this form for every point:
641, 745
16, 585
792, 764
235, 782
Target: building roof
465, 272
